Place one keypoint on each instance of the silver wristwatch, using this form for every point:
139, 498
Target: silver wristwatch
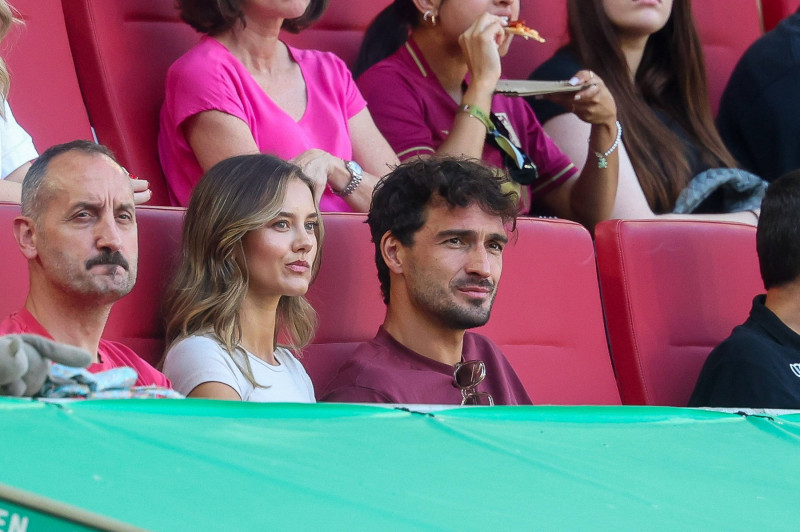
356, 175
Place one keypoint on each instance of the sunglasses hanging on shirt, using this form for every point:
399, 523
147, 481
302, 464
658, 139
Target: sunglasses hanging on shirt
467, 376
519, 165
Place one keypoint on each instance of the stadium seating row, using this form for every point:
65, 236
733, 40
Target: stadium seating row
100, 62
671, 290
82, 62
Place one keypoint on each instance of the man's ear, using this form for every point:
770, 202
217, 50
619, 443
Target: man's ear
392, 252
26, 236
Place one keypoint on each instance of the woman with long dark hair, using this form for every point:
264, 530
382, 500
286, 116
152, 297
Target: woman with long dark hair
430, 69
650, 56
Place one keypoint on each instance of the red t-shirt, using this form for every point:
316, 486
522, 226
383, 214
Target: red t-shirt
112, 354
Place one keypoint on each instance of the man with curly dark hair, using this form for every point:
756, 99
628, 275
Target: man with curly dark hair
439, 228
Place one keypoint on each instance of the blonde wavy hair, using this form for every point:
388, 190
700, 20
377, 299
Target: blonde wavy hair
7, 19
236, 196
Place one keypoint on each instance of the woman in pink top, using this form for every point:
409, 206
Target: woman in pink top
241, 90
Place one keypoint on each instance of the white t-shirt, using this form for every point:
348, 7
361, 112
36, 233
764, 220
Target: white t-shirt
16, 146
198, 359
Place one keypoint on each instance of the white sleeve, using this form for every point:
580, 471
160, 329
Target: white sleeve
16, 146
198, 359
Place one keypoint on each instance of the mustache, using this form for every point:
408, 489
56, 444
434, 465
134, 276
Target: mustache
480, 283
108, 257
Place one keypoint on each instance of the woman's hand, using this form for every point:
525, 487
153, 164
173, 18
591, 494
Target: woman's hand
141, 191
593, 104
481, 44
323, 167
591, 197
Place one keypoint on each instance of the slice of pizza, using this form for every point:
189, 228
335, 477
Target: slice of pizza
518, 27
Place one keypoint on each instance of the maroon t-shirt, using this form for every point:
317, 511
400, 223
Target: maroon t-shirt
385, 371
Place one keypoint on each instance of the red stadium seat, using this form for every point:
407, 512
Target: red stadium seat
727, 28
340, 29
549, 18
13, 265
776, 10
548, 319
346, 296
672, 290
45, 96
122, 51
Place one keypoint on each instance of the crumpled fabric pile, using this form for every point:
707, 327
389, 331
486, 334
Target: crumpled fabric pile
721, 190
65, 382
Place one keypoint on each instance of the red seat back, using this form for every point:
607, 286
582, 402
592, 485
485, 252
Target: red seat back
44, 96
122, 50
548, 319
549, 18
346, 296
672, 290
727, 28
776, 10
13, 265
340, 29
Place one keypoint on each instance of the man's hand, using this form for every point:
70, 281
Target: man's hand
25, 362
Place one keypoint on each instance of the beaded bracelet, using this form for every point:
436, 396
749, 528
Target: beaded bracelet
602, 158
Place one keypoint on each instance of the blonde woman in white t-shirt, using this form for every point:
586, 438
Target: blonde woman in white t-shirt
251, 242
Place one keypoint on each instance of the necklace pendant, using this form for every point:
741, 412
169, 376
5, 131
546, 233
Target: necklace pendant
602, 162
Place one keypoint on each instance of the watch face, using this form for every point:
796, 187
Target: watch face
354, 168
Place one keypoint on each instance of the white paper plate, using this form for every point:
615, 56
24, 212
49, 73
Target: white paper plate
520, 87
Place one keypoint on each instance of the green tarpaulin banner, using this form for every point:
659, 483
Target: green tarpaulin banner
213, 465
